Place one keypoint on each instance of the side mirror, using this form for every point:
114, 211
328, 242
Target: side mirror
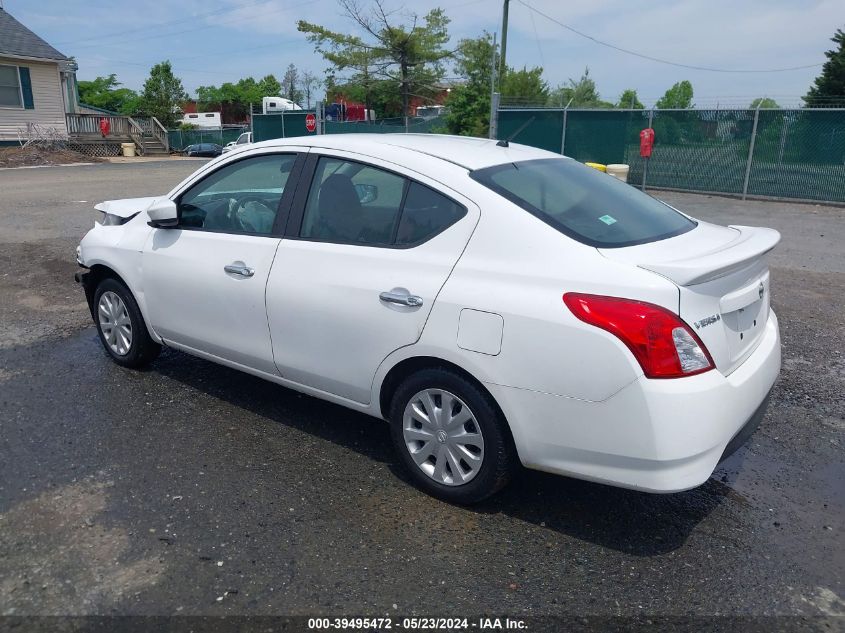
366, 193
163, 214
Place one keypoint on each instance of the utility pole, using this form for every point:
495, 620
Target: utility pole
494, 96
502, 64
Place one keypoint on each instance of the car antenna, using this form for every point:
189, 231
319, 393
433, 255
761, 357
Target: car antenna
506, 142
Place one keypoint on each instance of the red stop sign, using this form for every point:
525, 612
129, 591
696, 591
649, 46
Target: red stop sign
310, 122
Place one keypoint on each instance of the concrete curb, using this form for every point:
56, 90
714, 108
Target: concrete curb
40, 166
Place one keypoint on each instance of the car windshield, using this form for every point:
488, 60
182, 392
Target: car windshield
583, 203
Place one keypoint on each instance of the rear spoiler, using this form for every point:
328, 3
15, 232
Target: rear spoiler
751, 243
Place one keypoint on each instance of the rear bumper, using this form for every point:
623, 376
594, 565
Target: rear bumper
748, 429
653, 435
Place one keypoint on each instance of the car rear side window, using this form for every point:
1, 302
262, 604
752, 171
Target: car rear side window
583, 203
354, 203
425, 214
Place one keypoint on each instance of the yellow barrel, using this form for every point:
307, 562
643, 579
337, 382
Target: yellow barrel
598, 166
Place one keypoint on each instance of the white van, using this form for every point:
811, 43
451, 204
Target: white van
204, 119
269, 105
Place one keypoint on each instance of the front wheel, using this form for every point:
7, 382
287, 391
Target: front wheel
451, 437
121, 327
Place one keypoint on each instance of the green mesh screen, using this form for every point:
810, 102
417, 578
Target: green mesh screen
180, 139
797, 153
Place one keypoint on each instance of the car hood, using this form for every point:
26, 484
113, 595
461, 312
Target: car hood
127, 207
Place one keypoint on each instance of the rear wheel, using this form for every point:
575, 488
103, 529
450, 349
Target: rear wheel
450, 436
120, 326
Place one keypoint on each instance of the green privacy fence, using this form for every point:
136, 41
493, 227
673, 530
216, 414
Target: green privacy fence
387, 126
796, 153
287, 124
282, 125
180, 139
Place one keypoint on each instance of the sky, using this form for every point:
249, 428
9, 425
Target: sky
214, 41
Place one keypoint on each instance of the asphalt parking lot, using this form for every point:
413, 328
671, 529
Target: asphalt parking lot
193, 489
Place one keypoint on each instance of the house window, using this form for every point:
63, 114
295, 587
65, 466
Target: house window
10, 87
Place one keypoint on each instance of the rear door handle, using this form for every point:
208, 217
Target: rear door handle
239, 269
401, 298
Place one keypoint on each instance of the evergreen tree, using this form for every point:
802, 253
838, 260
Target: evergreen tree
828, 90
163, 94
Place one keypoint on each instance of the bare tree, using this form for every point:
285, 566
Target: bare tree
309, 83
290, 84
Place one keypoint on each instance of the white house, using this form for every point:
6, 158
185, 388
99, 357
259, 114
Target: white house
37, 82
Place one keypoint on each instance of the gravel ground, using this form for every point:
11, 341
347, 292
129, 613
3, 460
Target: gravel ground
193, 489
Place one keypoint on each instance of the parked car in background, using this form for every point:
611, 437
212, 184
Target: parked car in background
497, 304
242, 140
203, 149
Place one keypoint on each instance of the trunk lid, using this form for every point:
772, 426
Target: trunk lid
723, 284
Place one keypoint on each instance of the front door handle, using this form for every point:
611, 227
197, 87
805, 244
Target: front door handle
239, 269
401, 298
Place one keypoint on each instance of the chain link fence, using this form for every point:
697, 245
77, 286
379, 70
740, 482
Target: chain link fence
795, 153
416, 125
782, 153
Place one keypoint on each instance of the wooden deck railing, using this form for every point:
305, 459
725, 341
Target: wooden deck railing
121, 128
88, 125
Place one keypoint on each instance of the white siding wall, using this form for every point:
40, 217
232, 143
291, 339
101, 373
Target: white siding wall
46, 96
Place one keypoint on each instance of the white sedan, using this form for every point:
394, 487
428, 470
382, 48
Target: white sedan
496, 304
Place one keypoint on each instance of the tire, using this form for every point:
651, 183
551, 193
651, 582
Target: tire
124, 312
460, 479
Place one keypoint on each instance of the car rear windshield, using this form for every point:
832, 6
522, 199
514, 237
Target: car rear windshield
583, 203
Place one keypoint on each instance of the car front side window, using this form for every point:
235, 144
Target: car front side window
241, 197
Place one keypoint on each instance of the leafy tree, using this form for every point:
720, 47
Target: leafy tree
526, 84
829, 88
269, 86
763, 102
103, 92
629, 99
410, 56
679, 96
379, 95
234, 98
290, 84
469, 103
579, 94
309, 84
162, 94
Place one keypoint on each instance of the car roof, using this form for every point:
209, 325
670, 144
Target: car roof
465, 151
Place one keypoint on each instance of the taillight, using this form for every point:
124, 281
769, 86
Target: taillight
662, 343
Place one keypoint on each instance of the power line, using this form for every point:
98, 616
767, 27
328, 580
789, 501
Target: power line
158, 24
657, 59
211, 26
537, 39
